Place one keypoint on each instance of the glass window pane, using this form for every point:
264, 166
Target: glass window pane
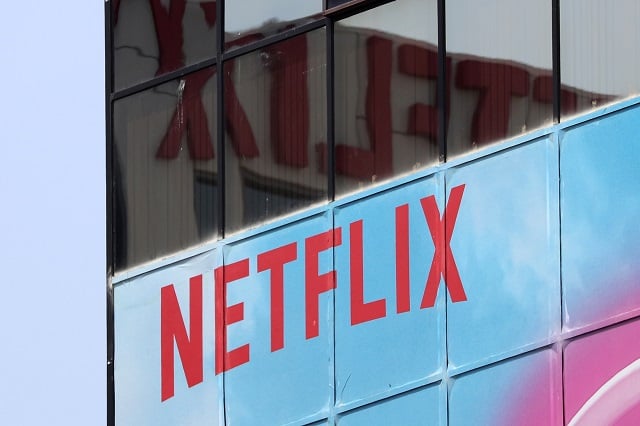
600, 52
385, 93
501, 59
250, 20
275, 108
153, 37
165, 169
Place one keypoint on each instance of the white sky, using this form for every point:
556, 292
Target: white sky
52, 220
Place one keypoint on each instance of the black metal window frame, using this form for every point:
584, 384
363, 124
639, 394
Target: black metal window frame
222, 56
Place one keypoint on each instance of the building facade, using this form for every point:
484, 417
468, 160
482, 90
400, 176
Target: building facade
362, 212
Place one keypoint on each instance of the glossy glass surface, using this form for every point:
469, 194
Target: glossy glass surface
500, 54
250, 20
153, 37
385, 93
165, 169
600, 52
275, 107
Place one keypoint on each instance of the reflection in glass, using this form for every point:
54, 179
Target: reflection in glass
153, 37
600, 52
275, 101
385, 93
166, 172
250, 20
501, 59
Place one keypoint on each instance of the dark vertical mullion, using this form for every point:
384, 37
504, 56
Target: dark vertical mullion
441, 90
555, 37
220, 142
220, 114
331, 163
108, 86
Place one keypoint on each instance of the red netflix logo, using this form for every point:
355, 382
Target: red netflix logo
190, 343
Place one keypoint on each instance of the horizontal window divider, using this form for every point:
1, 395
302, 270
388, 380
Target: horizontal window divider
352, 8
156, 81
273, 39
164, 78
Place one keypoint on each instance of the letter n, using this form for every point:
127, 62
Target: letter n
172, 328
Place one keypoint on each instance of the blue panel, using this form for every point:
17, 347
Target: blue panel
521, 391
288, 380
426, 406
600, 171
505, 244
138, 349
384, 341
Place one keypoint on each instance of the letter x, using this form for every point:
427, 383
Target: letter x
443, 257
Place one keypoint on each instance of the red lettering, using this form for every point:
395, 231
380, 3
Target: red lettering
210, 12
168, 25
543, 92
361, 311
497, 83
191, 116
169, 31
274, 260
289, 102
238, 126
420, 62
116, 11
316, 284
443, 256
378, 161
172, 329
227, 315
189, 113
403, 301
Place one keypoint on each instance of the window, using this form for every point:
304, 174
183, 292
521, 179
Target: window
163, 142
275, 130
385, 93
501, 58
190, 164
600, 58
154, 37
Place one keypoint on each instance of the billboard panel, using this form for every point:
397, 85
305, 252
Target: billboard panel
286, 293
600, 210
164, 346
521, 391
389, 317
425, 406
506, 248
